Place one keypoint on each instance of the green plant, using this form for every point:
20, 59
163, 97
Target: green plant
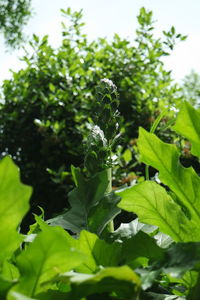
93, 205
46, 105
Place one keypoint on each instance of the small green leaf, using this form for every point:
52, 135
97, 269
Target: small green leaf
127, 155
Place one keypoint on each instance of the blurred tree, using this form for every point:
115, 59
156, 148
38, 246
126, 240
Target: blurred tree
14, 14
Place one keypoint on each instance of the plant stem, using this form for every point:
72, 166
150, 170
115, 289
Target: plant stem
110, 225
147, 172
152, 130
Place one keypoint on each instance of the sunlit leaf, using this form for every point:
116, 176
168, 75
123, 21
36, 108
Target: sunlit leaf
49, 254
188, 125
154, 206
184, 182
14, 204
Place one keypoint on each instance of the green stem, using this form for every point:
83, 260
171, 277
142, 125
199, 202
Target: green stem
110, 225
147, 172
152, 130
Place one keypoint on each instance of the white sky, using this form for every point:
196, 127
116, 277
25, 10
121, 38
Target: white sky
103, 18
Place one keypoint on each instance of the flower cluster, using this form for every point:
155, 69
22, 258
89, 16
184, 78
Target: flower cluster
103, 133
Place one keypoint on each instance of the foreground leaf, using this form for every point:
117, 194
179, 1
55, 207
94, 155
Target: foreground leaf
14, 204
49, 254
154, 206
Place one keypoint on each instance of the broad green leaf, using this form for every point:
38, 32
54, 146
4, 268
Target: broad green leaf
188, 125
184, 182
14, 204
154, 206
120, 280
97, 252
49, 254
91, 205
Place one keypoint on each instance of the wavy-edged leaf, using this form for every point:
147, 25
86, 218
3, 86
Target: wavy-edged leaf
188, 125
49, 254
154, 206
14, 204
120, 280
184, 182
